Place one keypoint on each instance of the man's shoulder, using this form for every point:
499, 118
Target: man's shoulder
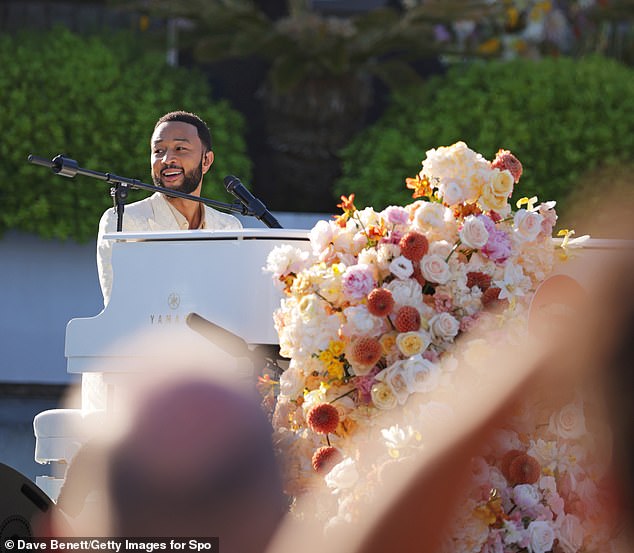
140, 210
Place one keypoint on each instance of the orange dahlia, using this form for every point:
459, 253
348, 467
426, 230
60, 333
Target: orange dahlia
325, 458
407, 319
414, 245
380, 302
323, 418
365, 351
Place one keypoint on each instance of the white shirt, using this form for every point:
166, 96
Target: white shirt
152, 214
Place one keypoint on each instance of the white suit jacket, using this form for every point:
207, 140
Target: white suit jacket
152, 214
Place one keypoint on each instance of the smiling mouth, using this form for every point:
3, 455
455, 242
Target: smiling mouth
171, 172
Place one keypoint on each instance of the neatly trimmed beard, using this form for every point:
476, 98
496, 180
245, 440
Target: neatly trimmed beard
190, 182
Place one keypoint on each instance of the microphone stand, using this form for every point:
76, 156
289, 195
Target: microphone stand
67, 167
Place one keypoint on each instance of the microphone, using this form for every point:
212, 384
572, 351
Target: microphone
255, 206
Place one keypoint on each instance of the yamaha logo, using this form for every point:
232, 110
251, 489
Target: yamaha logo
173, 300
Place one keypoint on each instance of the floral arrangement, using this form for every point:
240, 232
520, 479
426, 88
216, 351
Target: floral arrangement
370, 321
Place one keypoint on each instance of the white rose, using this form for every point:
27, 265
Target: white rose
527, 225
452, 192
343, 240
541, 536
286, 259
360, 322
441, 248
406, 292
342, 476
412, 343
291, 382
526, 496
473, 233
401, 267
568, 423
570, 534
321, 235
435, 269
397, 381
444, 327
430, 216
421, 375
383, 397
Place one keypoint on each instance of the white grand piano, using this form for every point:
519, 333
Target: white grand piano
207, 285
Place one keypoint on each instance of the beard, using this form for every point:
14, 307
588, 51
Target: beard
191, 180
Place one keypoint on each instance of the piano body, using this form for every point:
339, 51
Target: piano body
209, 286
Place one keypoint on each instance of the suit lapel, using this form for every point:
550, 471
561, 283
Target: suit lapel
161, 217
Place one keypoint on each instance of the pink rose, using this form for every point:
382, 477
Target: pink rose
498, 248
358, 282
474, 233
396, 215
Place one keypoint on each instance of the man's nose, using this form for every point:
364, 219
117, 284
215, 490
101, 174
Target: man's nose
169, 156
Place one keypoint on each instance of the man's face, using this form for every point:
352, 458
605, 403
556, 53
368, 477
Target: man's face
178, 161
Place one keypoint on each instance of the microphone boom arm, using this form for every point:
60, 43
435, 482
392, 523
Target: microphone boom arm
67, 167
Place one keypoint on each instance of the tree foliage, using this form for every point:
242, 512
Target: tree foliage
95, 100
561, 118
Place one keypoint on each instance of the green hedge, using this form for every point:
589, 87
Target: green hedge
560, 117
95, 100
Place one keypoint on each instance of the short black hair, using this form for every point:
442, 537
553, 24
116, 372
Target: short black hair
191, 118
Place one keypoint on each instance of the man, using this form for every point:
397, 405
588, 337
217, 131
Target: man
181, 155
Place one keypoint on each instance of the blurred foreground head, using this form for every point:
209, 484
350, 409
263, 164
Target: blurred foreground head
197, 461
186, 453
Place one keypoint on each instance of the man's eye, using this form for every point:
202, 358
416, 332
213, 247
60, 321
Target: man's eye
158, 152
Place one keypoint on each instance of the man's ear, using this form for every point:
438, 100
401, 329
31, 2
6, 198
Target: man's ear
208, 159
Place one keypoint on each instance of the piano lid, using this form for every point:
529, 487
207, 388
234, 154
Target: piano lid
159, 278
243, 234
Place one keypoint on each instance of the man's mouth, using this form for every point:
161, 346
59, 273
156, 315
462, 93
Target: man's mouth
171, 173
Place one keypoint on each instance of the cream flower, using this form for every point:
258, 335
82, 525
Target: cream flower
383, 397
291, 382
321, 235
497, 191
359, 322
570, 534
527, 225
526, 496
406, 292
541, 536
473, 233
342, 476
396, 379
444, 327
412, 343
569, 422
435, 220
401, 267
397, 437
286, 259
421, 375
435, 269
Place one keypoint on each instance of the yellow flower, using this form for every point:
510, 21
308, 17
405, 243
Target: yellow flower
388, 342
528, 202
410, 343
497, 191
335, 369
336, 348
383, 397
